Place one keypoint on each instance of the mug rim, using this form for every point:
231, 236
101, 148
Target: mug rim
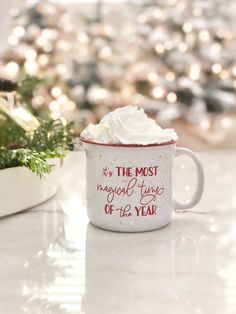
127, 145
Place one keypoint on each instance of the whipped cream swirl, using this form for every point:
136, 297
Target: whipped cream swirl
128, 125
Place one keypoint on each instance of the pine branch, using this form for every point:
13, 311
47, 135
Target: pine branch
32, 150
26, 88
35, 161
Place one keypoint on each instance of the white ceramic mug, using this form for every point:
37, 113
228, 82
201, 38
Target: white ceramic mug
129, 187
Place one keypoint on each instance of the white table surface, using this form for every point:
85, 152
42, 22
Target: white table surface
52, 261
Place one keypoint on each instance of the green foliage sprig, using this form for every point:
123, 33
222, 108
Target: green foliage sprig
35, 161
32, 149
26, 87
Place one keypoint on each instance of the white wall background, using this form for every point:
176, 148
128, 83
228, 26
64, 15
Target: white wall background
5, 20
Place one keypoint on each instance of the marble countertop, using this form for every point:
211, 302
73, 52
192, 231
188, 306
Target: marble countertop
53, 261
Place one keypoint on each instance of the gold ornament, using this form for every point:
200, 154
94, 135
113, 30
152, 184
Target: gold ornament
20, 115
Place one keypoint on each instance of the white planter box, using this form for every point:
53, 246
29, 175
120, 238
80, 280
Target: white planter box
21, 189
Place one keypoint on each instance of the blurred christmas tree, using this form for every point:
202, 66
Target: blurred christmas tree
175, 58
38, 45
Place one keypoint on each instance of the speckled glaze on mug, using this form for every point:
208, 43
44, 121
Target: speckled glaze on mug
129, 187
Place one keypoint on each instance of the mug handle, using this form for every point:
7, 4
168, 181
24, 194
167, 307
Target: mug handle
200, 184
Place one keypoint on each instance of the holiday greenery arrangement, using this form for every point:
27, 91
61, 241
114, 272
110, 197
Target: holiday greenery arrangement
26, 140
